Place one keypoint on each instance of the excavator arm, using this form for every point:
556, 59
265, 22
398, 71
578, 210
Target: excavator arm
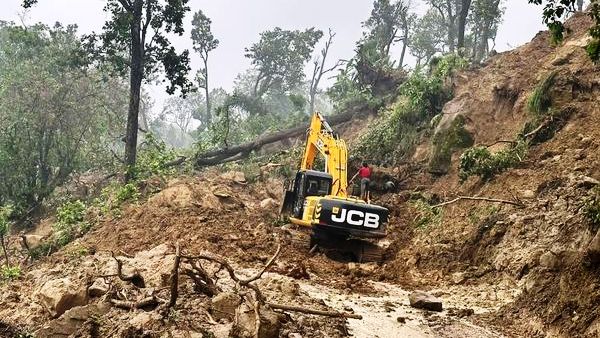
322, 139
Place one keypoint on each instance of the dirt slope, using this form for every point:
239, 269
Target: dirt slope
536, 250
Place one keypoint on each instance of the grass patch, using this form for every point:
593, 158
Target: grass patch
540, 101
479, 161
591, 210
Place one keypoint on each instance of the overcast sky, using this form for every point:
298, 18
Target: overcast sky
237, 24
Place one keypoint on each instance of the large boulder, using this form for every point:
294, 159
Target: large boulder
425, 301
450, 136
60, 295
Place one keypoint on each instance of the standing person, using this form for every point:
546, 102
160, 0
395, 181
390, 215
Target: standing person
365, 179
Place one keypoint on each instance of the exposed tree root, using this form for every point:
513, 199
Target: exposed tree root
135, 279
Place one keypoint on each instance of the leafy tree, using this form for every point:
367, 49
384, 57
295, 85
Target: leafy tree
56, 115
555, 11
134, 39
389, 23
279, 58
484, 19
204, 43
448, 11
427, 38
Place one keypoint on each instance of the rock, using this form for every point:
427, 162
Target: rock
98, 288
283, 286
32, 241
294, 335
528, 194
401, 320
224, 304
423, 300
142, 319
549, 261
72, 320
268, 203
235, 176
270, 323
458, 277
593, 249
60, 295
588, 182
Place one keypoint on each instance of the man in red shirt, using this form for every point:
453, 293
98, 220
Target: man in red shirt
365, 179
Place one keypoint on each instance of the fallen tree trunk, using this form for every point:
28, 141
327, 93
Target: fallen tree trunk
243, 150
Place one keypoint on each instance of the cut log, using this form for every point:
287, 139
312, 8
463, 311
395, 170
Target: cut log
243, 150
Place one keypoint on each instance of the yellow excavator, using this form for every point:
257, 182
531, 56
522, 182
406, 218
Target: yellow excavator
319, 200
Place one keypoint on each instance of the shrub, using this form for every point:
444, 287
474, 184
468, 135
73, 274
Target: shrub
70, 222
426, 215
10, 272
154, 157
128, 192
479, 161
5, 213
395, 134
591, 209
540, 99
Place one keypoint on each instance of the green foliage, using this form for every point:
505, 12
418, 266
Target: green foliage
9, 273
78, 251
128, 192
426, 215
70, 222
556, 11
479, 161
389, 21
540, 99
591, 209
396, 132
5, 213
57, 114
154, 157
280, 56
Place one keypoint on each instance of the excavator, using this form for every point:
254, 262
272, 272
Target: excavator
319, 200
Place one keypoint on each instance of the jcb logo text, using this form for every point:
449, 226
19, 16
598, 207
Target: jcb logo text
356, 217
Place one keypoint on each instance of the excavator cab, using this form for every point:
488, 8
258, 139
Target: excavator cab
306, 183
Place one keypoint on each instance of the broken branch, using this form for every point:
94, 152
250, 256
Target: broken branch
174, 278
146, 302
314, 312
475, 198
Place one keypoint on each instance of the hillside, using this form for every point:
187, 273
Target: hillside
500, 269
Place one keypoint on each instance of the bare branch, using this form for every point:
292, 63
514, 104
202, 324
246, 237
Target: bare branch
127, 305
